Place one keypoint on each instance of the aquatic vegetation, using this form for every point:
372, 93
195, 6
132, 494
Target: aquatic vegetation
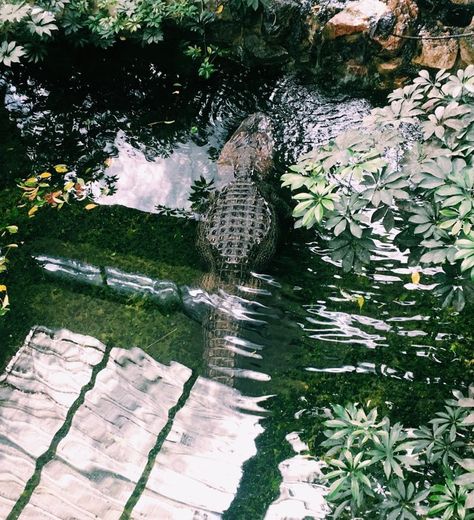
388, 471
410, 167
44, 190
205, 55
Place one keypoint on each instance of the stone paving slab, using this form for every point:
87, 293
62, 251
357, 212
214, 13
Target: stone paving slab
111, 422
36, 392
98, 464
198, 470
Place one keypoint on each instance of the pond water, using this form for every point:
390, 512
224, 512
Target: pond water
118, 405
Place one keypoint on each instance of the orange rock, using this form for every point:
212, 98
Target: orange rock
437, 54
358, 17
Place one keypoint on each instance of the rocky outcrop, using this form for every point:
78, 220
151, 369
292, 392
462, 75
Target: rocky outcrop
400, 21
437, 54
362, 43
466, 46
357, 18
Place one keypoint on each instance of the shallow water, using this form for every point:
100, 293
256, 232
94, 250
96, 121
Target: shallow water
224, 432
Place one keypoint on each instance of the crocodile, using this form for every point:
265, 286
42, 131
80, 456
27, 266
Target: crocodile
237, 235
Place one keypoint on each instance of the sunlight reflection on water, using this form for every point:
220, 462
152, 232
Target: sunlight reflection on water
164, 181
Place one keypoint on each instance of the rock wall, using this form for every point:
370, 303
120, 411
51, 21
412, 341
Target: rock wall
361, 43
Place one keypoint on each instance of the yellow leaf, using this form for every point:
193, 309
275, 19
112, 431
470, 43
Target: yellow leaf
415, 277
219, 9
90, 206
360, 301
44, 175
3, 288
61, 168
32, 211
68, 185
31, 180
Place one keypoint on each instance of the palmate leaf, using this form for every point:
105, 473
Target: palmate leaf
452, 418
390, 449
13, 12
450, 499
41, 22
465, 253
425, 186
435, 443
10, 53
404, 500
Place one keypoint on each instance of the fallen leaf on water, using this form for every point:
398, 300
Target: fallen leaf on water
153, 123
61, 168
90, 206
415, 277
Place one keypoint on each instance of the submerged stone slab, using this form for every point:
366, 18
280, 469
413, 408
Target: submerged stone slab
38, 387
301, 496
198, 470
99, 427
99, 462
69, 268
162, 291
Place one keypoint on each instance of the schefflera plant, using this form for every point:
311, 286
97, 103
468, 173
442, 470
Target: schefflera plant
27, 27
410, 166
378, 470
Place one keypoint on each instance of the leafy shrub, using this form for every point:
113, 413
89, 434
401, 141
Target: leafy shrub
248, 5
411, 163
26, 28
379, 470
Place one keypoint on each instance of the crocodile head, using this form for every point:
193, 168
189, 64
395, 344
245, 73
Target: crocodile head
249, 152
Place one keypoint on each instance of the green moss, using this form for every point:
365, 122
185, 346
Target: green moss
128, 239
120, 322
107, 236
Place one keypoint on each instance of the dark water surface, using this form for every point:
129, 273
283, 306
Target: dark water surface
142, 418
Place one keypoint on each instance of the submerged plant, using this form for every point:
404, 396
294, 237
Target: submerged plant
410, 166
378, 470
